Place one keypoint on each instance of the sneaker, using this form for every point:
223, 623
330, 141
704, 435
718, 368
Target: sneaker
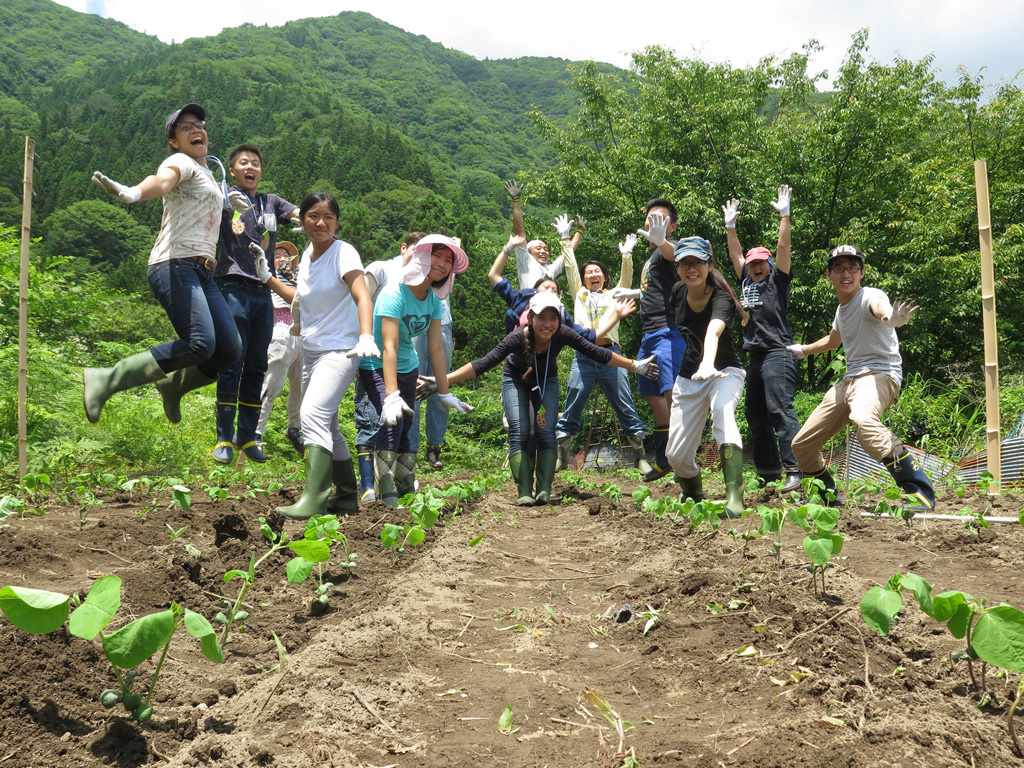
224, 453
294, 434
434, 456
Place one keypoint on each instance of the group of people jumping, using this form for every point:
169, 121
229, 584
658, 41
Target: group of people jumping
387, 326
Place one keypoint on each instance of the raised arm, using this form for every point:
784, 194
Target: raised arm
572, 271
731, 212
498, 267
150, 188
515, 191
783, 250
286, 292
655, 230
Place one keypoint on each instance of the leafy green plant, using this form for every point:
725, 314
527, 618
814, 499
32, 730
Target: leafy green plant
314, 549
175, 534
505, 721
612, 491
181, 496
772, 520
822, 541
424, 509
653, 616
215, 492
40, 612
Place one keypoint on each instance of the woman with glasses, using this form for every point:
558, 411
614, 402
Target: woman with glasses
180, 273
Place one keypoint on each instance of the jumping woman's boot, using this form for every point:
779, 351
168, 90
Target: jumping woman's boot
732, 470
176, 385
913, 482
636, 442
318, 486
661, 467
830, 496
345, 500
366, 491
564, 449
693, 488
101, 383
385, 465
522, 473
405, 474
224, 450
545, 475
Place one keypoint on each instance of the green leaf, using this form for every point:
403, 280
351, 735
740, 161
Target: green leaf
312, 550
819, 547
878, 607
416, 536
473, 542
946, 604
198, 626
391, 535
137, 641
298, 570
998, 638
34, 610
99, 608
824, 517
960, 621
505, 721
923, 592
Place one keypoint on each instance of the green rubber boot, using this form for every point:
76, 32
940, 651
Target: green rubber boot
692, 488
545, 474
385, 464
519, 465
345, 500
405, 474
176, 385
732, 470
101, 383
318, 486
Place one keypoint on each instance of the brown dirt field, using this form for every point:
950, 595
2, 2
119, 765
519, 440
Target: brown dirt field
420, 652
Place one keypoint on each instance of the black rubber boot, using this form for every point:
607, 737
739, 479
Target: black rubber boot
385, 464
660, 467
522, 474
101, 383
732, 471
914, 483
176, 385
345, 500
545, 475
692, 487
768, 477
366, 490
318, 486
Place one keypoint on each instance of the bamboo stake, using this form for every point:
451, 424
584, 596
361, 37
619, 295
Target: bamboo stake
26, 238
988, 313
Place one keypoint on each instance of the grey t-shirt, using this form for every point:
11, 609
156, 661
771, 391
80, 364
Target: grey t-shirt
870, 345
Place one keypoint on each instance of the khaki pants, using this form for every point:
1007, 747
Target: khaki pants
860, 401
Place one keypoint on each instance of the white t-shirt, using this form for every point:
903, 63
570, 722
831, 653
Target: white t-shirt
384, 272
330, 318
192, 210
530, 270
870, 345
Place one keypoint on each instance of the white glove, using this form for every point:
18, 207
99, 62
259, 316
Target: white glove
426, 386
239, 202
296, 329
262, 270
365, 347
117, 190
393, 408
731, 212
782, 204
646, 367
627, 245
452, 401
797, 350
298, 229
657, 226
901, 313
619, 292
707, 371
564, 226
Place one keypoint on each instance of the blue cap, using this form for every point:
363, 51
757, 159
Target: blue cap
195, 109
693, 246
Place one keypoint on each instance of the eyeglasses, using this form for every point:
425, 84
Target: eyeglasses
688, 263
844, 270
190, 124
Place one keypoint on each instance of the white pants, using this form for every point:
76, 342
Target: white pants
326, 377
691, 401
284, 361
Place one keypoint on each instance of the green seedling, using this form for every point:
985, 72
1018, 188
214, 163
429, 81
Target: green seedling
175, 534
314, 549
194, 552
612, 491
771, 522
39, 612
181, 495
462, 494
620, 726
424, 509
141, 512
822, 541
653, 616
505, 722
215, 492
34, 485
12, 505
642, 494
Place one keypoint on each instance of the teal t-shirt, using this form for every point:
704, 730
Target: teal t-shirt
414, 317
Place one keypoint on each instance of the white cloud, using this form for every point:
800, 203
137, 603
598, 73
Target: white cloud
741, 31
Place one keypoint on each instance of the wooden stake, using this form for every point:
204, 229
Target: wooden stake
988, 314
26, 238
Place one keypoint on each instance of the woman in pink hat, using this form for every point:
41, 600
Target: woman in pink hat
402, 312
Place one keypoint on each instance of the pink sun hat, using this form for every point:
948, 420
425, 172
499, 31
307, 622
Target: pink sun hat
416, 271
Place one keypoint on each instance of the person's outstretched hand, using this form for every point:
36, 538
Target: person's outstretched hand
564, 226
782, 204
903, 311
514, 189
656, 227
116, 189
731, 212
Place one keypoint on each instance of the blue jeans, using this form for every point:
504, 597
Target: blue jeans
583, 375
394, 438
437, 413
517, 397
208, 337
668, 347
771, 382
253, 311
366, 416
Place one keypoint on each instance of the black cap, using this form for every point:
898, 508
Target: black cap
846, 252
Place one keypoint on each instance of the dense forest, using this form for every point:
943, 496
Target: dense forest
409, 134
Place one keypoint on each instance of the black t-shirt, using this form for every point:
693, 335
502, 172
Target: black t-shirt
656, 281
511, 350
694, 327
767, 303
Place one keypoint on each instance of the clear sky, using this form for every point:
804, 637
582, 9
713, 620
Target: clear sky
737, 31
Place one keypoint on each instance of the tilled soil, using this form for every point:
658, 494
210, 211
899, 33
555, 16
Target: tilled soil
419, 653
